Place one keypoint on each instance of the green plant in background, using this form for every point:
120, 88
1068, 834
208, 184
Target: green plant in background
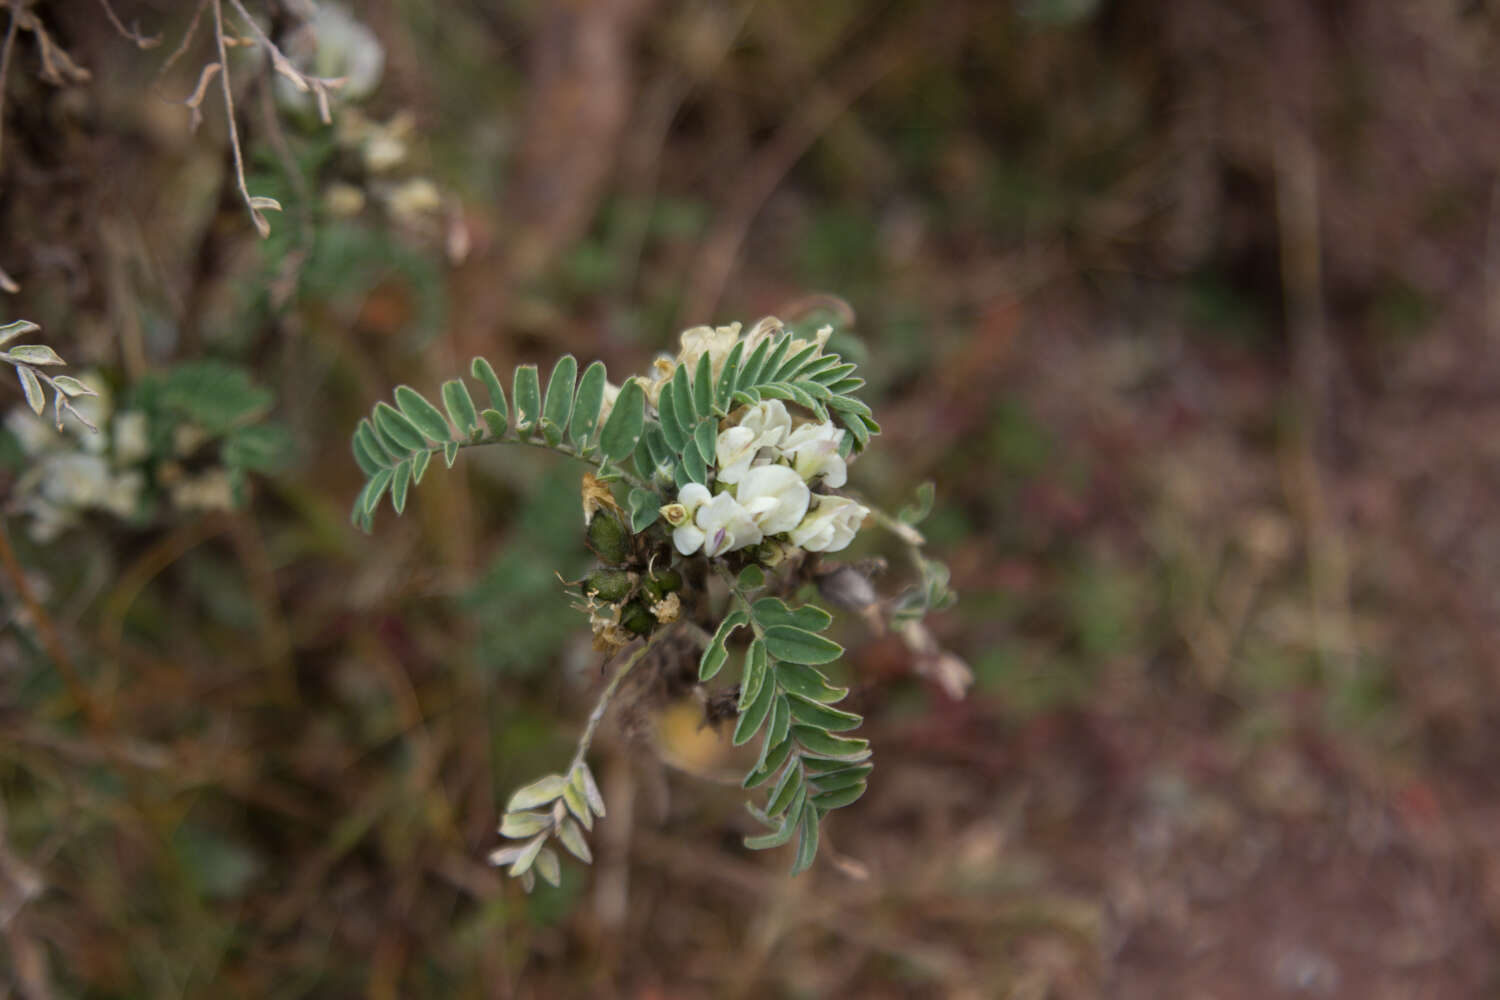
712, 502
186, 438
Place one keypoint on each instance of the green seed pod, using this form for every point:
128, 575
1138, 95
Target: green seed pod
607, 538
607, 584
635, 618
661, 583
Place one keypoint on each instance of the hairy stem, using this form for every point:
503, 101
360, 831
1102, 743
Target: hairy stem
605, 696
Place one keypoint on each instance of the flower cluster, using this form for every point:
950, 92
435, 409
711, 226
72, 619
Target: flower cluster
764, 470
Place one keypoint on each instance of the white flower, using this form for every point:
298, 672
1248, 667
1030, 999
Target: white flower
687, 536
763, 425
775, 496
830, 525
132, 437
716, 343
720, 525
814, 451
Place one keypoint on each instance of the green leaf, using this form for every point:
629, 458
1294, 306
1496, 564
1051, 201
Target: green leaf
450, 450
753, 676
399, 430
807, 842
746, 397
32, 387
214, 395
19, 328
480, 368
572, 838
792, 365
749, 372
586, 405
460, 406
558, 406
694, 464
572, 795
494, 422
419, 465
830, 375
774, 611
399, 486
705, 438
837, 799
528, 393
548, 866
584, 778
520, 825
541, 792
369, 497
809, 682
626, 421
725, 391
36, 354
773, 361
775, 755
703, 387
424, 416
845, 386
818, 767
844, 777
364, 435
671, 429
781, 720
811, 713
682, 400
818, 743
367, 454
645, 508
785, 789
775, 838
796, 645
755, 716
71, 387
717, 652
528, 854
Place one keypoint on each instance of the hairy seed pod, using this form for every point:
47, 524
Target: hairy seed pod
661, 583
607, 538
635, 618
607, 584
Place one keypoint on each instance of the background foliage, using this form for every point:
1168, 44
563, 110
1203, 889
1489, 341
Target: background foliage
1188, 308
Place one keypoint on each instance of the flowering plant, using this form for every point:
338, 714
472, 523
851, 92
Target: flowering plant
711, 502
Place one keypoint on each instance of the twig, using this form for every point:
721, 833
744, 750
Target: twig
253, 203
51, 640
10, 38
141, 42
602, 705
187, 40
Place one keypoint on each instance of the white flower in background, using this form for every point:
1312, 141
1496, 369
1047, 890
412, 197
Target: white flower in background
75, 480
331, 45
132, 443
814, 451
775, 497
830, 525
764, 425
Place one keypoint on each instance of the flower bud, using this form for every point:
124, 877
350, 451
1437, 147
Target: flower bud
607, 584
674, 514
607, 538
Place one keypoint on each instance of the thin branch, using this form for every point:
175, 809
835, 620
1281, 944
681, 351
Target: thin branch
602, 705
51, 639
10, 38
141, 41
252, 203
187, 40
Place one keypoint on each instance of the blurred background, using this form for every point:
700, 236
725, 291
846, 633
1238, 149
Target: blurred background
1189, 310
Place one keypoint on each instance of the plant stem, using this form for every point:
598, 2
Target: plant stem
602, 705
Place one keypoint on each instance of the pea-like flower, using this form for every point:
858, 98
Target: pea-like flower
814, 451
716, 343
764, 425
775, 497
830, 524
716, 524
